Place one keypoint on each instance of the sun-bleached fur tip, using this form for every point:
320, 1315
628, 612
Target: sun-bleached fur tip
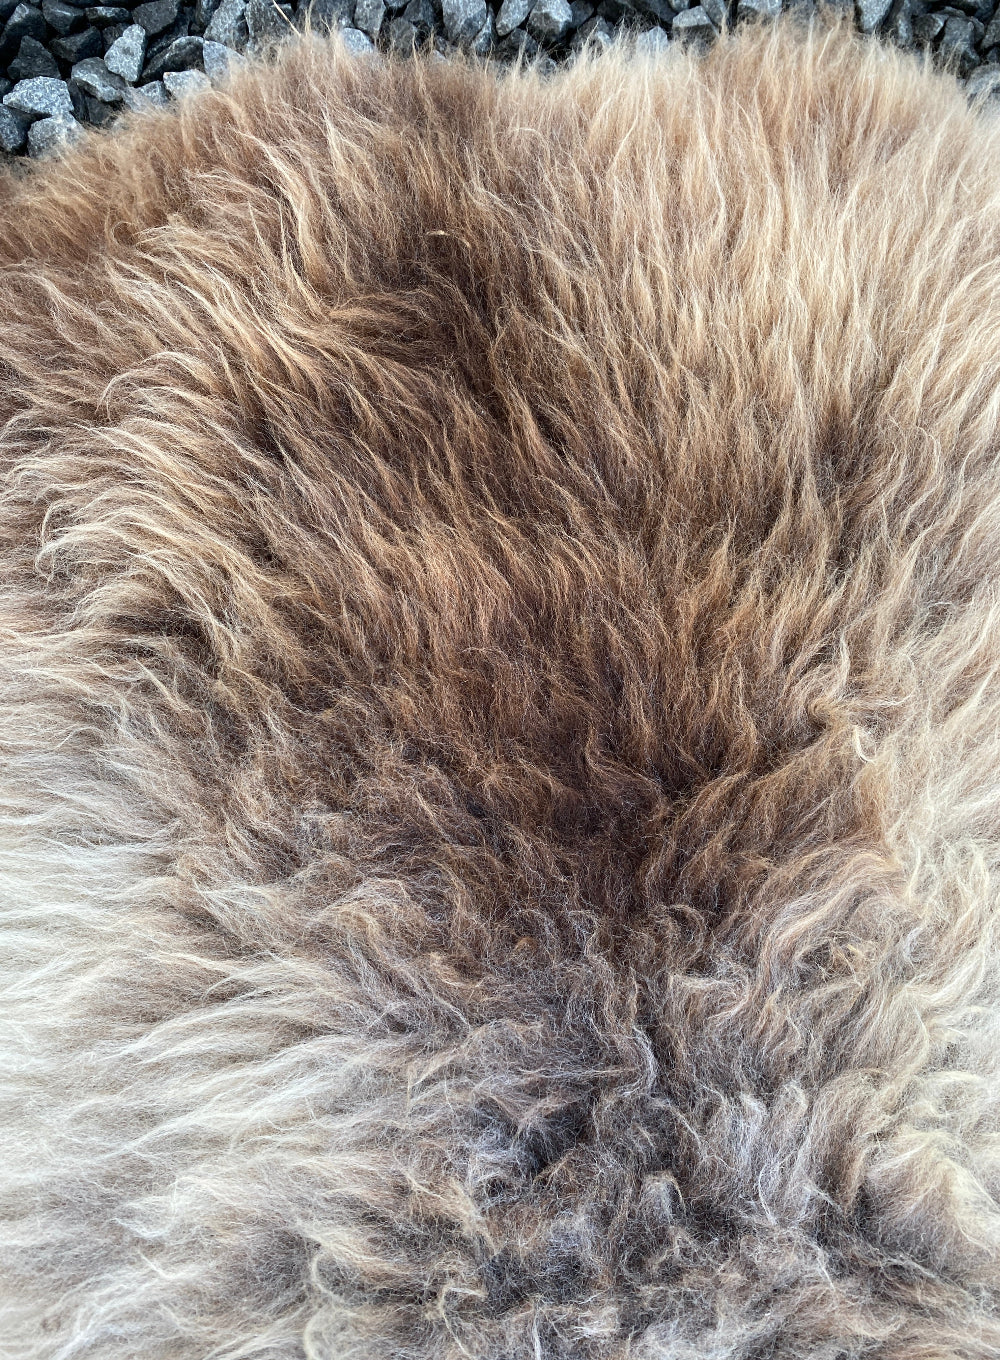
500, 724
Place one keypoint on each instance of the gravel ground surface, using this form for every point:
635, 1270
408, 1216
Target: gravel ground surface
64, 65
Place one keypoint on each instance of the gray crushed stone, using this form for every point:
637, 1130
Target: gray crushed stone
219, 61
462, 19
41, 96
180, 84
549, 20
511, 15
229, 25
13, 129
152, 95
126, 54
52, 134
94, 78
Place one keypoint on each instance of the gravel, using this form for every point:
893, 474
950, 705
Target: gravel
62, 18
219, 60
549, 20
693, 23
53, 134
181, 83
13, 129
229, 25
126, 54
152, 95
63, 65
652, 41
871, 13
462, 19
94, 78
157, 16
267, 23
42, 97
33, 59
357, 42
958, 41
369, 16
511, 15
183, 54
25, 21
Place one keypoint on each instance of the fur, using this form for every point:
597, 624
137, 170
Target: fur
500, 646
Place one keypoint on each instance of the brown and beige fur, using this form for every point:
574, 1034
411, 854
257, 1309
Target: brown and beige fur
500, 726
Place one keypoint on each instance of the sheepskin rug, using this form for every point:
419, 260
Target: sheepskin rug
500, 643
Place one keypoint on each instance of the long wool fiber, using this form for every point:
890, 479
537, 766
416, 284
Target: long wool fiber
500, 725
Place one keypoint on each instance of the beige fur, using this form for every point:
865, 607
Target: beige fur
499, 630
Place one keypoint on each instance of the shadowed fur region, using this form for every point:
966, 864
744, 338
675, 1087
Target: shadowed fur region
500, 724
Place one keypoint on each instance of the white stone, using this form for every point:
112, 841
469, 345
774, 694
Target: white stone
126, 54
42, 95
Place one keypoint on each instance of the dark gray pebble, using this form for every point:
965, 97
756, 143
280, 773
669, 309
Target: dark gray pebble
201, 15
76, 46
482, 43
926, 27
219, 60
183, 54
595, 32
991, 34
765, 9
402, 37
62, 17
268, 24
899, 25
984, 81
369, 15
652, 42
549, 20
694, 23
33, 59
103, 15
518, 43
98, 113
152, 95
659, 10
156, 16
422, 16
325, 15
96, 80
958, 43
26, 21
13, 129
